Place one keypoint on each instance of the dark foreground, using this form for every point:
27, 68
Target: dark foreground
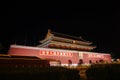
38, 73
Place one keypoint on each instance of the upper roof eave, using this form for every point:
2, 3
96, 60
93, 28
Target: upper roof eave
51, 34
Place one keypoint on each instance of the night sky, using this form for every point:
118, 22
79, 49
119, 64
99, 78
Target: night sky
98, 23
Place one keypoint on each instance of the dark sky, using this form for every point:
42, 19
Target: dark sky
96, 22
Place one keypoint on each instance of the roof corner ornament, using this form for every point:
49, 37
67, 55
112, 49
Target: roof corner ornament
49, 31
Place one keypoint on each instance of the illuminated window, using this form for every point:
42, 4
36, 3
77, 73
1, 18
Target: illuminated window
73, 41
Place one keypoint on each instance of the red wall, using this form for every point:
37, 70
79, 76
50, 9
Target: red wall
63, 55
34, 52
96, 57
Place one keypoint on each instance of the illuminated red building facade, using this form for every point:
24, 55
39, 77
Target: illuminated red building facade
61, 47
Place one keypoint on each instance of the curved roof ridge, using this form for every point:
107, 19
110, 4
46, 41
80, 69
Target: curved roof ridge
69, 36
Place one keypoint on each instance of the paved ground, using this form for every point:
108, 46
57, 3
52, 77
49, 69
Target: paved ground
82, 70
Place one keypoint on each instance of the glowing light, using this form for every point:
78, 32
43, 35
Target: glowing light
56, 53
